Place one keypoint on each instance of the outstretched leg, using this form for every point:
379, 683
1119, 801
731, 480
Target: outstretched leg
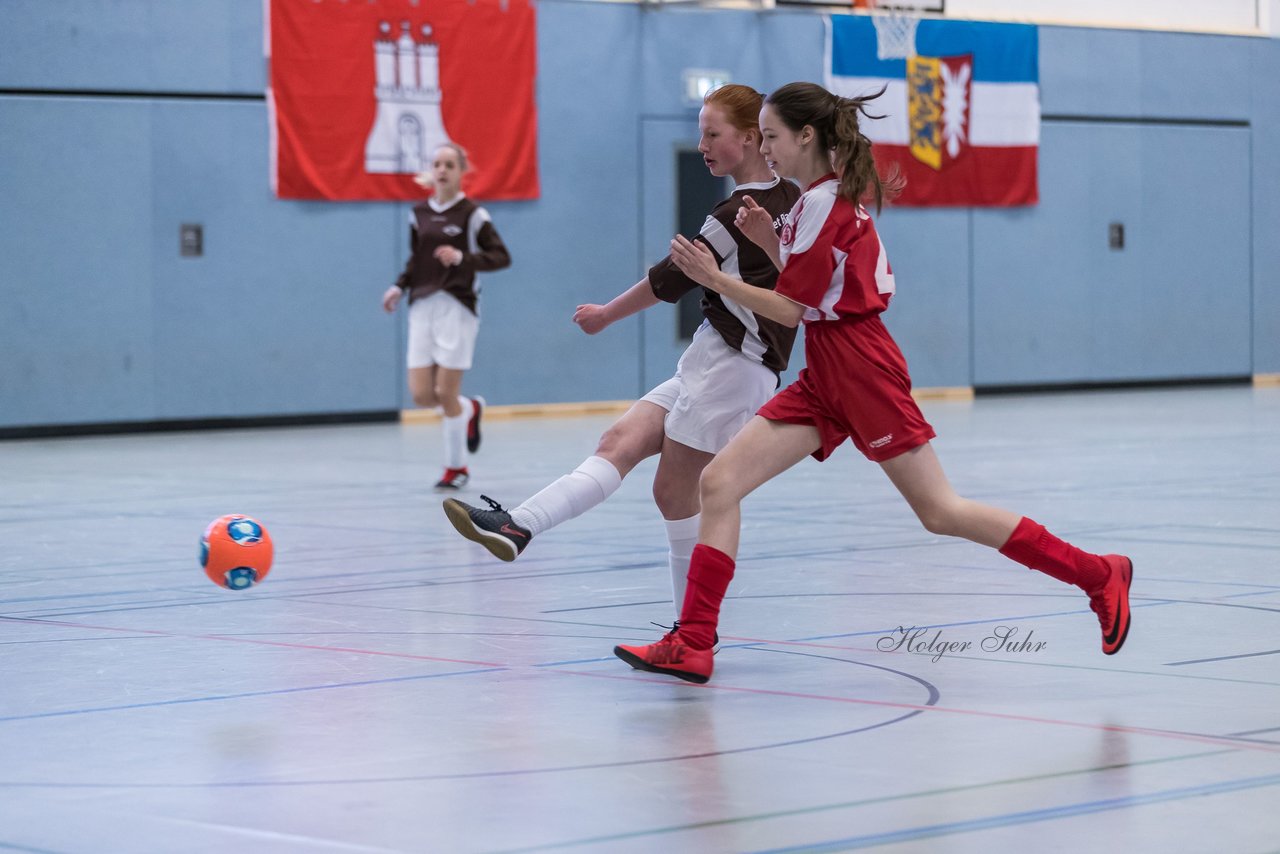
1106, 578
635, 436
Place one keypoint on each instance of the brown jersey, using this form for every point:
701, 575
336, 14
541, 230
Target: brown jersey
758, 338
463, 225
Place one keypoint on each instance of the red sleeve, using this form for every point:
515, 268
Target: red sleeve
806, 276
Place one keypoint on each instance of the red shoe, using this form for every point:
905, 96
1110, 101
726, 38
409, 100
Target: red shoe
473, 425
671, 656
453, 479
1111, 603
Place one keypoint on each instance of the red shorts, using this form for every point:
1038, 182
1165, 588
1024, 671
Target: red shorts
855, 384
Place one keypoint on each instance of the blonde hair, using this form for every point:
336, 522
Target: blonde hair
464, 163
426, 180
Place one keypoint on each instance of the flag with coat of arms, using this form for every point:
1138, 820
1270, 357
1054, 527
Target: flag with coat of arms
961, 105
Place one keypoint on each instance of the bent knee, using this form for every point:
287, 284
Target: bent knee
626, 448
717, 485
676, 500
942, 519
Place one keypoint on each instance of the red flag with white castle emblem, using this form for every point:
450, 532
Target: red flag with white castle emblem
362, 93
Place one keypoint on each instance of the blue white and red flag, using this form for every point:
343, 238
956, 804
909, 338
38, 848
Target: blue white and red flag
961, 107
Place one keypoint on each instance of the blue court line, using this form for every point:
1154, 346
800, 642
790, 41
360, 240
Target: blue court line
79, 640
469, 775
216, 599
9, 846
1009, 819
1222, 658
849, 805
218, 697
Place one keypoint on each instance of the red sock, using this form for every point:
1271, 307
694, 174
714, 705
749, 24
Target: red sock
1032, 546
710, 571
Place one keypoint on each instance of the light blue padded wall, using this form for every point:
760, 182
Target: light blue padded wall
103, 321
1265, 202
1130, 137
209, 46
578, 242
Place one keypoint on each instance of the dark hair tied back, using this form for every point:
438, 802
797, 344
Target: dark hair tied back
838, 125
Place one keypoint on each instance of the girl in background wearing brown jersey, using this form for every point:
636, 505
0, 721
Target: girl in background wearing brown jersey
728, 371
452, 240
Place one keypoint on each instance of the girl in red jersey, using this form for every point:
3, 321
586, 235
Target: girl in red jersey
835, 277
452, 239
729, 370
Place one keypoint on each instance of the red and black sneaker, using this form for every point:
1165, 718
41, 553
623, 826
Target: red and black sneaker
491, 528
453, 479
473, 424
1111, 603
671, 656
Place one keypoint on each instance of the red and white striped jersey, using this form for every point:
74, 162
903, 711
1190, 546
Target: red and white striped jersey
833, 260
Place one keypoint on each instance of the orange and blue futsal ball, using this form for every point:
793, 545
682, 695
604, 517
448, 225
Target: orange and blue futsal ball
236, 552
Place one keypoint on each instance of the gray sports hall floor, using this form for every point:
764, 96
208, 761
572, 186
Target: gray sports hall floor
391, 687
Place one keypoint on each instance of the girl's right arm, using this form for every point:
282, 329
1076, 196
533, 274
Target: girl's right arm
756, 224
593, 318
391, 296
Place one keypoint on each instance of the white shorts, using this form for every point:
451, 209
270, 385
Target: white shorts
441, 332
714, 393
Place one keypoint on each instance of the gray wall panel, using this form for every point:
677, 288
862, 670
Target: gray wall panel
75, 321
132, 45
578, 242
280, 315
1126, 73
1054, 303
105, 321
1266, 206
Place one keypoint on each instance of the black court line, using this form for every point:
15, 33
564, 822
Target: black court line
1137, 384
168, 95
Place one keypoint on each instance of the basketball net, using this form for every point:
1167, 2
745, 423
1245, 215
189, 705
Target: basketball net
895, 29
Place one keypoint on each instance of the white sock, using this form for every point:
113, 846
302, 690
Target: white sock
682, 534
570, 496
455, 439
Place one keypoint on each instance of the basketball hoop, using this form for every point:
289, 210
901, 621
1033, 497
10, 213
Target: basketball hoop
895, 27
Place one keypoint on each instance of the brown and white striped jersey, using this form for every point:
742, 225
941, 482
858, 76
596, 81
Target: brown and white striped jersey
758, 338
463, 225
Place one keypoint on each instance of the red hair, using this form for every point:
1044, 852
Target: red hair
741, 105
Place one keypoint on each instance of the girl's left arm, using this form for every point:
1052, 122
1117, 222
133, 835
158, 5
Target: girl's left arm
696, 261
491, 252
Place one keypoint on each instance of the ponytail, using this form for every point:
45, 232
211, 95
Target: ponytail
837, 123
852, 158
